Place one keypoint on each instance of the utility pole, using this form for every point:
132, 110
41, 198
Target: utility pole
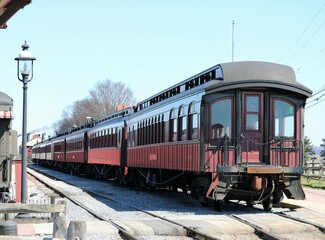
233, 39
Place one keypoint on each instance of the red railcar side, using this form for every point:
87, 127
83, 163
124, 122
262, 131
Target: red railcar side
77, 147
183, 156
234, 131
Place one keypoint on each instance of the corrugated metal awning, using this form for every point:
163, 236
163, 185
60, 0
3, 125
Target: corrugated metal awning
6, 115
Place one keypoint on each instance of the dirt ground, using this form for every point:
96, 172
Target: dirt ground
315, 195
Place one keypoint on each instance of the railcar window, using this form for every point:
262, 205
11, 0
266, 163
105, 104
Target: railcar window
129, 137
154, 130
182, 126
146, 137
105, 138
148, 140
221, 118
57, 147
119, 136
135, 134
142, 133
138, 135
172, 126
284, 119
102, 139
252, 112
162, 129
192, 122
99, 139
152, 134
132, 136
113, 137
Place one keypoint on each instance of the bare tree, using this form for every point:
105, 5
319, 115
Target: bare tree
107, 95
103, 99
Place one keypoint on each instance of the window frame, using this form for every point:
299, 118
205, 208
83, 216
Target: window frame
173, 125
289, 102
233, 117
182, 121
192, 115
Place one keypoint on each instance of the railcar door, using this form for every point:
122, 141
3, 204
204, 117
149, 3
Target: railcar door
252, 127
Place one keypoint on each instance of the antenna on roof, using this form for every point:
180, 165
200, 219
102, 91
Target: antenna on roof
233, 39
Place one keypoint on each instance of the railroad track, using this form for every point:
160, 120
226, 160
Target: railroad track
192, 233
243, 220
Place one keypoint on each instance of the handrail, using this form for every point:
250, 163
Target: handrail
276, 145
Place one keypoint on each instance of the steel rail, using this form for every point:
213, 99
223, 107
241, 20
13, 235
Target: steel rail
121, 230
258, 230
320, 227
190, 231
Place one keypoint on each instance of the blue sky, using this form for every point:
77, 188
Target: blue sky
150, 45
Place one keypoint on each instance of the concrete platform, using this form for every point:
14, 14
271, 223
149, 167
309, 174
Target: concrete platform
45, 230
315, 200
149, 227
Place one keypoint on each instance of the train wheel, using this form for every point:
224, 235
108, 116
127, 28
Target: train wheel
121, 178
268, 203
218, 205
204, 202
249, 203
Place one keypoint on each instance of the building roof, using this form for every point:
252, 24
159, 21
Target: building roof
8, 8
36, 139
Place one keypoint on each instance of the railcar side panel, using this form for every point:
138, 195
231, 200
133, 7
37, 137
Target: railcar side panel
108, 156
59, 151
178, 156
105, 142
48, 151
77, 147
75, 156
42, 155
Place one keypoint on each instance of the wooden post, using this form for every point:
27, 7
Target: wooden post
77, 230
54, 199
60, 222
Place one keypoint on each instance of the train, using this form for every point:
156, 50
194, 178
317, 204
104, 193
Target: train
232, 132
8, 146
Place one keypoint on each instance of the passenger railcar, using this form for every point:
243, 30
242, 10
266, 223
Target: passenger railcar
59, 149
8, 145
232, 132
107, 143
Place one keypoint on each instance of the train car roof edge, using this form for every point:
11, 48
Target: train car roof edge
272, 74
244, 70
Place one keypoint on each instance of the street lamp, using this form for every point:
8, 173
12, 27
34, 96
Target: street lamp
25, 68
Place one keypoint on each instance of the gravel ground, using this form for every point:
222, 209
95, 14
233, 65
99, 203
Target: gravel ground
161, 202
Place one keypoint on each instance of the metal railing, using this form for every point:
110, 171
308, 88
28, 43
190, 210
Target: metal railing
282, 151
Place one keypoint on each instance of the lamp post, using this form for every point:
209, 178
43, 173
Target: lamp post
25, 68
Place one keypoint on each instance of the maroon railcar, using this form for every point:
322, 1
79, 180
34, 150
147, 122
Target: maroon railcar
234, 131
59, 150
106, 146
76, 149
